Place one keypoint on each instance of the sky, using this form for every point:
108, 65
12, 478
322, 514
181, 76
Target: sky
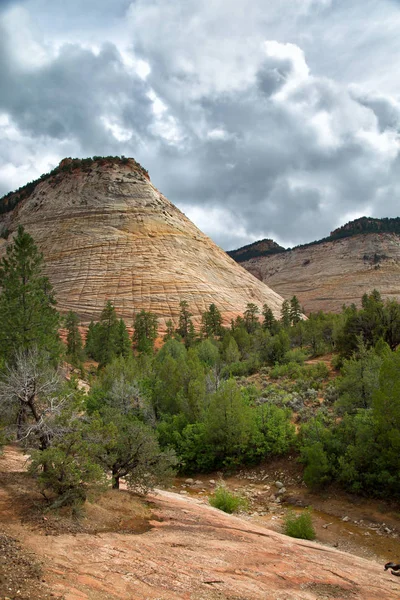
258, 119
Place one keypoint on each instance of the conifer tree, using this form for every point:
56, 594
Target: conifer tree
169, 334
123, 343
285, 313
27, 303
107, 337
145, 331
295, 310
211, 322
74, 338
269, 319
185, 327
251, 321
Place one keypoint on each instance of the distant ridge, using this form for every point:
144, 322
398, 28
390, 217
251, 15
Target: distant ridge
362, 225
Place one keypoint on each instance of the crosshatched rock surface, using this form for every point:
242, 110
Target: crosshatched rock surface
108, 234
326, 276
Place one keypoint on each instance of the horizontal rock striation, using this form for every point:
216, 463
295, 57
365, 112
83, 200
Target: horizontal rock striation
327, 275
108, 234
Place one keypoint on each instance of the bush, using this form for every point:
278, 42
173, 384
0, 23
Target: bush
299, 526
225, 500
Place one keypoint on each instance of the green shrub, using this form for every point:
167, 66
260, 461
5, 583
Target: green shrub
299, 526
227, 501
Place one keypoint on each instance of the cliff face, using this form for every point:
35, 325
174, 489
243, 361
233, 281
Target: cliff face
108, 234
327, 275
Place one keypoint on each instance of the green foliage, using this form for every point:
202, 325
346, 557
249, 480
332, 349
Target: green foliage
227, 501
27, 304
359, 380
145, 331
123, 342
66, 470
130, 449
250, 317
211, 322
285, 314
295, 310
74, 338
185, 327
299, 526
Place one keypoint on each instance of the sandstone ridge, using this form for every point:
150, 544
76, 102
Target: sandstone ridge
326, 275
107, 233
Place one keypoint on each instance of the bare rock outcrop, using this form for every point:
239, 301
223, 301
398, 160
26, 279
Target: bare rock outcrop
108, 234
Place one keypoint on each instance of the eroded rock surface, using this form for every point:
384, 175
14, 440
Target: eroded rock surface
327, 275
108, 234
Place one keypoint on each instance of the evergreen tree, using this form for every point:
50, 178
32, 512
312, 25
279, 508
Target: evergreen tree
74, 338
91, 340
251, 321
27, 304
123, 344
295, 310
145, 331
285, 313
169, 334
107, 338
269, 319
211, 322
185, 327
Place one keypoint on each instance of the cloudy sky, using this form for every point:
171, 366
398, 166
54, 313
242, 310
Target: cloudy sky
258, 119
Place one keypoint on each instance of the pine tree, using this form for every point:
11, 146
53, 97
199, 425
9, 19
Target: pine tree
74, 338
123, 343
185, 327
251, 321
285, 313
211, 322
145, 331
107, 338
169, 334
27, 304
295, 310
269, 319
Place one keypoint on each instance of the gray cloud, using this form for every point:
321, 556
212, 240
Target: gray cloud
254, 125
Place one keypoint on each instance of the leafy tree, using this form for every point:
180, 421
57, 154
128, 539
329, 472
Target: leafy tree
360, 379
229, 425
74, 338
232, 353
130, 450
27, 304
145, 331
67, 468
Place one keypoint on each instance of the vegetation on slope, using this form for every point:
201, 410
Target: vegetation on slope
67, 165
359, 226
215, 399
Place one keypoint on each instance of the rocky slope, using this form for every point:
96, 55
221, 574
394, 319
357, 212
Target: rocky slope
326, 275
108, 234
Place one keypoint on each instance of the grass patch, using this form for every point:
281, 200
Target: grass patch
227, 501
299, 526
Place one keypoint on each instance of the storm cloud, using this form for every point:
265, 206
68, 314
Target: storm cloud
257, 122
